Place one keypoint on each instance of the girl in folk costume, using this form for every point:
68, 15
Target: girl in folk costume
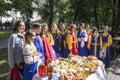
49, 52
107, 41
31, 56
74, 40
68, 43
38, 40
56, 37
71, 40
62, 41
89, 33
95, 43
15, 51
82, 39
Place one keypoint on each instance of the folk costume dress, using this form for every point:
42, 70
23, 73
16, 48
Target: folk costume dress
56, 45
107, 41
31, 59
71, 44
82, 48
15, 55
39, 46
63, 44
89, 33
49, 53
95, 44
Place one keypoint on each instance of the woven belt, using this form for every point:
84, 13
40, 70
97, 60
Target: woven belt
95, 44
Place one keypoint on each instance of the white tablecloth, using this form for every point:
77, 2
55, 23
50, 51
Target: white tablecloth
100, 74
117, 38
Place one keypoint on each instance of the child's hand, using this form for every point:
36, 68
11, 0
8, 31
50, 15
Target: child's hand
40, 54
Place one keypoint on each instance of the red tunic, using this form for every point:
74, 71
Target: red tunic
74, 45
48, 49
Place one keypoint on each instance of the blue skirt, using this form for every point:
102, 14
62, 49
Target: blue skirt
29, 70
82, 50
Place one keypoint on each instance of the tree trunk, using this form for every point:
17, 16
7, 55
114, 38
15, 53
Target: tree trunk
76, 15
114, 16
51, 13
118, 14
96, 17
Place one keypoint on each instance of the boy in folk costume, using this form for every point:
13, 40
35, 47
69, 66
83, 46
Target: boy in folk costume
38, 40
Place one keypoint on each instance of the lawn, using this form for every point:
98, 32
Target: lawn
5, 34
4, 67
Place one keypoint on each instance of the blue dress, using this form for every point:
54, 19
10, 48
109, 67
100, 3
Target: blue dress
82, 50
63, 45
56, 46
95, 46
39, 46
106, 59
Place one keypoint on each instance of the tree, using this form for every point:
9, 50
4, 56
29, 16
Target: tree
24, 6
4, 7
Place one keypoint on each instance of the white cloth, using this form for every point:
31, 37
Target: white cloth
37, 77
101, 54
100, 74
30, 54
86, 36
82, 44
117, 38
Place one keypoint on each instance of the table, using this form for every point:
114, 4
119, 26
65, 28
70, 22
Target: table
100, 74
37, 77
116, 46
117, 38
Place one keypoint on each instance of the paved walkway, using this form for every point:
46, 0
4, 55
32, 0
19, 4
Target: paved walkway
114, 70
3, 43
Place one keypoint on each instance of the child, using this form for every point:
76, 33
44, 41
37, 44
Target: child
15, 51
31, 56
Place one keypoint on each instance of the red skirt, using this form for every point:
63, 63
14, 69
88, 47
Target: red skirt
15, 74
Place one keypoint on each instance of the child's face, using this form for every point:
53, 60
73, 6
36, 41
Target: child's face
63, 27
96, 32
32, 37
45, 29
38, 30
21, 27
54, 27
105, 30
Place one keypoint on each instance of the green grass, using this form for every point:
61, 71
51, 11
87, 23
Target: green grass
4, 67
5, 34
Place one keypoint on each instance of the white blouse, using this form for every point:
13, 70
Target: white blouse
30, 54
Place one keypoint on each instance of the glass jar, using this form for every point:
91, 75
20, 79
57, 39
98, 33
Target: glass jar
42, 70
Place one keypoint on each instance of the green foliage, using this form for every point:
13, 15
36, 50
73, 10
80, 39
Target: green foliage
24, 6
4, 67
5, 34
94, 12
4, 7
